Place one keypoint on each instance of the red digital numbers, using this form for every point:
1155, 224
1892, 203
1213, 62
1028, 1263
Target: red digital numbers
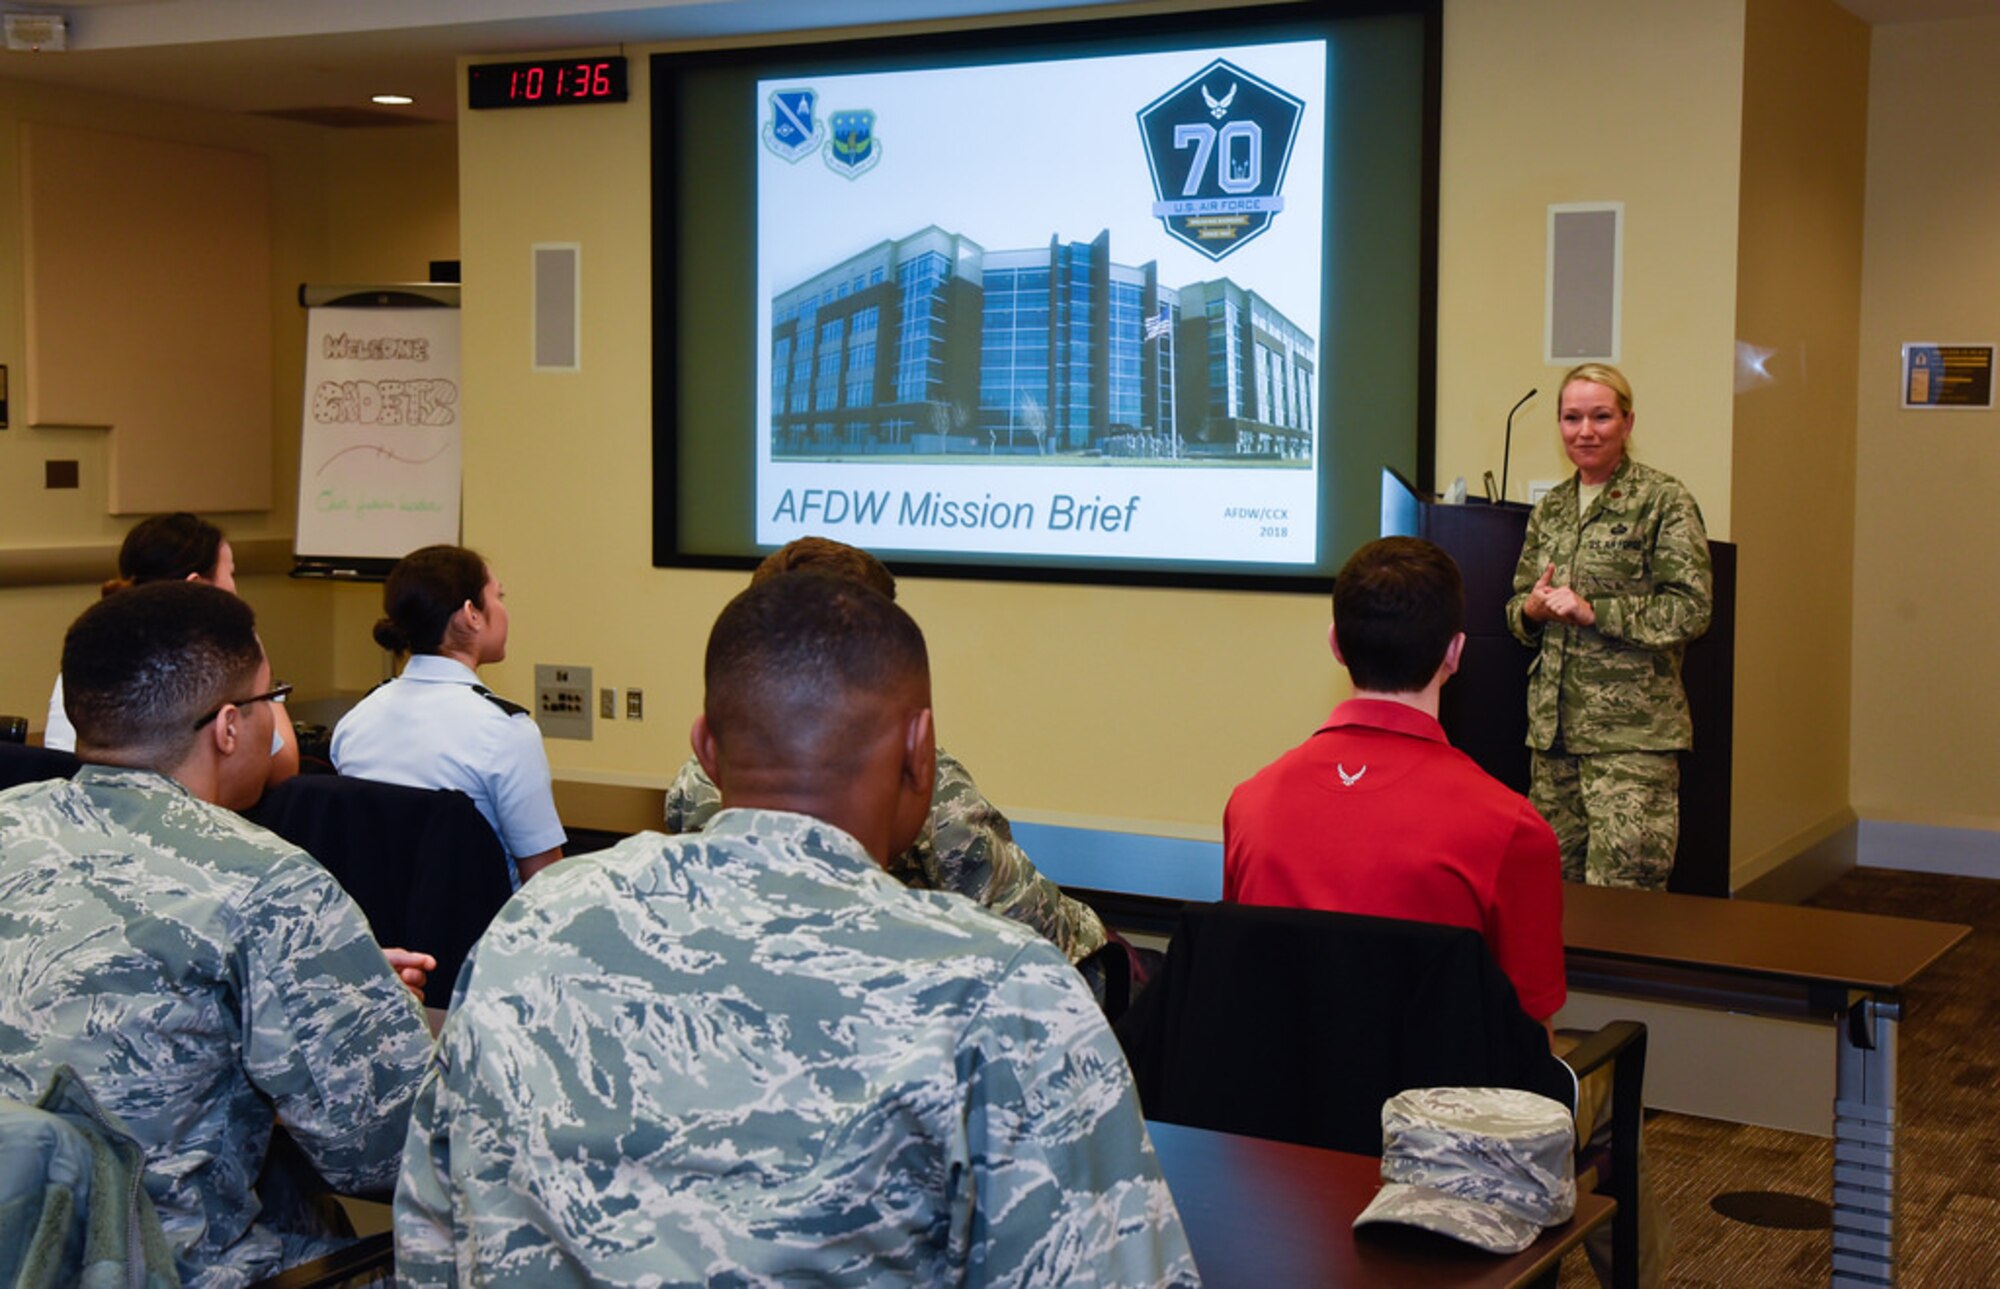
525, 86
584, 81
543, 84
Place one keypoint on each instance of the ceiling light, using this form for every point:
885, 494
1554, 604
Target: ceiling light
393, 100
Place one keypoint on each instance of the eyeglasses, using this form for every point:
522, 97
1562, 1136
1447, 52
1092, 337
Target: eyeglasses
276, 695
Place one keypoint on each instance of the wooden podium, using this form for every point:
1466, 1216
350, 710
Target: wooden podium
1485, 707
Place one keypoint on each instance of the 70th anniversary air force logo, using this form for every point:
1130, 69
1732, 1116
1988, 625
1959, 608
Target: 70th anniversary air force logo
1218, 145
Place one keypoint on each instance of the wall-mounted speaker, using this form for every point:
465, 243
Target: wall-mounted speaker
557, 317
1586, 270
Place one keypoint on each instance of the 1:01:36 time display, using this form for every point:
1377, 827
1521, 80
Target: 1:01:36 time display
546, 83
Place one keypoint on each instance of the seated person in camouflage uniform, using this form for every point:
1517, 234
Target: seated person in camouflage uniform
207, 980
966, 844
752, 1056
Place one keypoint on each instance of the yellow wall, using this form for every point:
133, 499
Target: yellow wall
1146, 706
33, 518
354, 205
1926, 746
1550, 101
1798, 316
391, 202
392, 208
1734, 135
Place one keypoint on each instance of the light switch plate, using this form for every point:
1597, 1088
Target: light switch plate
562, 701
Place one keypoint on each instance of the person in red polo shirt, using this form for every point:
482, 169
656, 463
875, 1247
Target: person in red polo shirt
1377, 813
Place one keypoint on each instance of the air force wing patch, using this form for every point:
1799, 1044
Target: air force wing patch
1218, 144
854, 148
794, 129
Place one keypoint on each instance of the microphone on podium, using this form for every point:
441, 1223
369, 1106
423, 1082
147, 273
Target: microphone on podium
1508, 450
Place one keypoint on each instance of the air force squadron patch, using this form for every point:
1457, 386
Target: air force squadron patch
1218, 145
854, 148
794, 129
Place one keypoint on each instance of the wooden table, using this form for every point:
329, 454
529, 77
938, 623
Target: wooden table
1264, 1213
1782, 960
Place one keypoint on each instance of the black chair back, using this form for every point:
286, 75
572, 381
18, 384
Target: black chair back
422, 863
1297, 1025
20, 764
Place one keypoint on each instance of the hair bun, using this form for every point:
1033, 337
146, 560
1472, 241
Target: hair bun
390, 636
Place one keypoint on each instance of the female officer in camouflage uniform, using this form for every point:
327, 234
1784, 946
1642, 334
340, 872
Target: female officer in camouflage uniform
1613, 582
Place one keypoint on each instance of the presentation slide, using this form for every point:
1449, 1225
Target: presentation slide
1065, 308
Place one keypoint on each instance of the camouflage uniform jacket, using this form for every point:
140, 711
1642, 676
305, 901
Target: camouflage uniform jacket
967, 847
749, 1056
1640, 557
205, 979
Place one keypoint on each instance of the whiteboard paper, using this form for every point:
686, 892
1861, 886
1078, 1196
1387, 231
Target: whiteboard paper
379, 457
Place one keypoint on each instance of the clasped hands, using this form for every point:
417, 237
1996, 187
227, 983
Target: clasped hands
1547, 602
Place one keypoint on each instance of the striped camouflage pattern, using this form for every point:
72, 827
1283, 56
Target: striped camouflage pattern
1640, 556
204, 978
1488, 1166
967, 847
748, 1056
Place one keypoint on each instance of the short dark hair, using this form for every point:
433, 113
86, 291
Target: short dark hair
425, 588
791, 653
141, 667
1396, 605
825, 555
167, 548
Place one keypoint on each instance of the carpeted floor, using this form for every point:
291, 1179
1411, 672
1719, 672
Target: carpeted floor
1948, 1148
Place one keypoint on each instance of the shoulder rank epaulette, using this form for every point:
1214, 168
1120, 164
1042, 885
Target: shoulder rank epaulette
511, 708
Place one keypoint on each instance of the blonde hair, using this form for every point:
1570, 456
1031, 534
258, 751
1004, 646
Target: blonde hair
1600, 374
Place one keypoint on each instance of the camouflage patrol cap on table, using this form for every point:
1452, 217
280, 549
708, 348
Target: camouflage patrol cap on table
1488, 1166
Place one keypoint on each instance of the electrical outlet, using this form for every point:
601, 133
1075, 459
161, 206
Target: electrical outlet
607, 704
635, 705
562, 701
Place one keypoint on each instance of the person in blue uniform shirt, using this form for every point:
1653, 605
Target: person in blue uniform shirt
435, 725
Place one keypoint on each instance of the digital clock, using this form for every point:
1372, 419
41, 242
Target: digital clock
548, 82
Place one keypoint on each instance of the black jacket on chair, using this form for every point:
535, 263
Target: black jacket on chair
1296, 1025
423, 864
21, 764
